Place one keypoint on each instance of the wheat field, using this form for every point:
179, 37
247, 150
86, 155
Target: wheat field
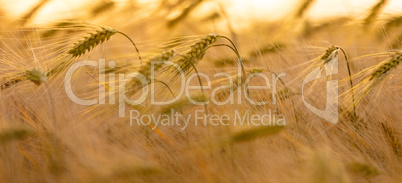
176, 91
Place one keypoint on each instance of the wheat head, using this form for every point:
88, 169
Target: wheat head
330, 53
92, 41
36, 76
196, 52
157, 61
386, 67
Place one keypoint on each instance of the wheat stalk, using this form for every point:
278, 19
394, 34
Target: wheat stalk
95, 39
375, 11
386, 67
196, 52
157, 61
375, 78
330, 54
92, 41
35, 75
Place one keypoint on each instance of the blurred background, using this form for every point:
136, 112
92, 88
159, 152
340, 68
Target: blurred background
240, 12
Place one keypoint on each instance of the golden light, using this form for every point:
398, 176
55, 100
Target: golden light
240, 10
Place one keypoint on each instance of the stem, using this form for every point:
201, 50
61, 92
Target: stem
167, 86
170, 90
293, 107
351, 88
132, 42
202, 88
237, 53
239, 59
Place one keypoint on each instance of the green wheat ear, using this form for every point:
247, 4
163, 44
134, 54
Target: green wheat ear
36, 76
92, 41
387, 66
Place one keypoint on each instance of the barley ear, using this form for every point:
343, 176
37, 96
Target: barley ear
196, 52
351, 87
7, 83
36, 76
92, 41
386, 67
330, 53
95, 39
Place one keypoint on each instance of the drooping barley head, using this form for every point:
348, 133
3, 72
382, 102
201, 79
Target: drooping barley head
330, 53
386, 67
36, 76
92, 41
196, 52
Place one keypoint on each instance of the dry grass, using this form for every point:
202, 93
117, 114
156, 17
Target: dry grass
46, 137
